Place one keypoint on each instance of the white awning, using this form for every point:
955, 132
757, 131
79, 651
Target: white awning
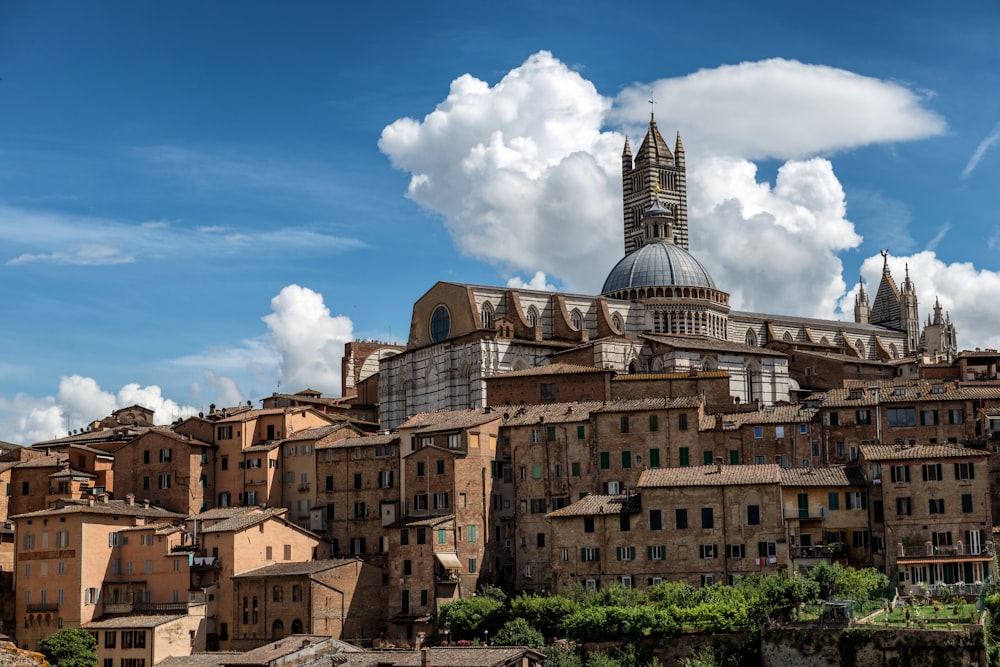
450, 561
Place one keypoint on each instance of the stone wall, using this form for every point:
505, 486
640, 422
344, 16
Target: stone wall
863, 646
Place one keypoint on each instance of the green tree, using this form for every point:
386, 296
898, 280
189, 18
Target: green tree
703, 658
562, 654
547, 614
519, 632
602, 659
70, 647
471, 618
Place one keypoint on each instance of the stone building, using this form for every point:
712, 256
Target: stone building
333, 598
358, 494
659, 311
931, 510
233, 540
785, 434
147, 639
826, 516
171, 470
906, 412
300, 485
714, 522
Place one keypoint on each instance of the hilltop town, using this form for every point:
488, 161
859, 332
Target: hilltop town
522, 439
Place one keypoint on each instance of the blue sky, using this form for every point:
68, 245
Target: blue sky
199, 201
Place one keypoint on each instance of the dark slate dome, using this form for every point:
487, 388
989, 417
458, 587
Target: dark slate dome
657, 264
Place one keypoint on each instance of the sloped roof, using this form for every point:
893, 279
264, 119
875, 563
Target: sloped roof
597, 505
919, 452
725, 475
553, 369
446, 420
831, 476
136, 621
777, 414
244, 521
443, 656
550, 413
361, 441
118, 507
712, 344
295, 569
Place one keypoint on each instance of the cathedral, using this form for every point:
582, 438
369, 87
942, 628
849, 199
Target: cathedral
659, 311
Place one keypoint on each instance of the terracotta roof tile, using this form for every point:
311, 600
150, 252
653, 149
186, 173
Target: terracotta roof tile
294, 569
918, 452
700, 343
776, 414
832, 476
597, 505
550, 413
136, 621
446, 420
361, 441
726, 475
696, 375
119, 507
552, 369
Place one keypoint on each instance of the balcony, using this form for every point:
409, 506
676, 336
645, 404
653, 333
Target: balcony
928, 550
184, 548
146, 608
42, 606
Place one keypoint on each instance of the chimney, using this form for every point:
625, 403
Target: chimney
129, 499
90, 501
425, 657
145, 503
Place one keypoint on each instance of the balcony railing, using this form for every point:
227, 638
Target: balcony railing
42, 606
958, 549
145, 607
184, 548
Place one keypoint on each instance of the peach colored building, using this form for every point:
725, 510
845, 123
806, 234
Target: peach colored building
147, 639
249, 455
65, 558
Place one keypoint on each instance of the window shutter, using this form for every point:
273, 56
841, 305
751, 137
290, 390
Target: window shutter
649, 553
597, 553
583, 554
923, 469
864, 500
971, 471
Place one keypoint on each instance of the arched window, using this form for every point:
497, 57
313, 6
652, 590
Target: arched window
616, 321
893, 351
296, 627
577, 319
276, 594
751, 337
277, 629
487, 315
860, 347
440, 324
532, 317
246, 609
254, 609
787, 337
296, 596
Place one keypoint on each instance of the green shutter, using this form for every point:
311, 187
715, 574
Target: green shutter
762, 549
626, 459
536, 471
618, 553
583, 554
605, 460
654, 423
685, 457
966, 502
864, 500
649, 553
833, 500
597, 553
575, 467
581, 431
707, 457
654, 457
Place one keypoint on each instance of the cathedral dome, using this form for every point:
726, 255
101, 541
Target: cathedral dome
655, 265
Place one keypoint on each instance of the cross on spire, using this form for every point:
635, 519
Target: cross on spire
651, 103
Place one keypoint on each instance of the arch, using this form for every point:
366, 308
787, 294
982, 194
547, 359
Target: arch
487, 313
616, 322
824, 341
277, 593
751, 337
633, 366
532, 316
893, 351
709, 363
277, 629
440, 323
860, 347
296, 593
657, 365
576, 317
787, 337
297, 627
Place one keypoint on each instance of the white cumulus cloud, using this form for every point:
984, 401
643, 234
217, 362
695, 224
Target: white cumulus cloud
309, 341
79, 401
538, 282
526, 174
